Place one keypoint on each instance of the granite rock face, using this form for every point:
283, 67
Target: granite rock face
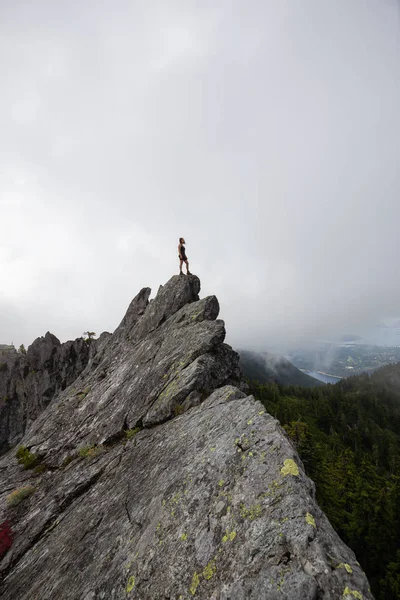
161, 479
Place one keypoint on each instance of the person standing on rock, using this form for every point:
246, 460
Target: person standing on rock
182, 256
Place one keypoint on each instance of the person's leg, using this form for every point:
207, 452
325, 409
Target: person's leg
180, 266
187, 267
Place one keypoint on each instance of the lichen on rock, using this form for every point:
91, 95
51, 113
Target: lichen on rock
310, 520
345, 566
349, 594
131, 584
143, 499
290, 467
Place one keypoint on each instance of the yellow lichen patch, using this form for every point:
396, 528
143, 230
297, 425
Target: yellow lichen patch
252, 512
262, 412
249, 422
221, 482
354, 593
213, 449
131, 584
209, 570
183, 537
310, 520
290, 467
280, 582
345, 566
195, 584
242, 441
229, 536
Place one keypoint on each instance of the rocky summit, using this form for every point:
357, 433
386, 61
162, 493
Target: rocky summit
145, 471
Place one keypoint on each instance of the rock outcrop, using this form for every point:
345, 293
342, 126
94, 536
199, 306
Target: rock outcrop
29, 381
157, 477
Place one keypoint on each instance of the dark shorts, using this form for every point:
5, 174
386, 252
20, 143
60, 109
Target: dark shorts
183, 257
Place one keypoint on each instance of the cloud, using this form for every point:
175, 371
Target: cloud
266, 134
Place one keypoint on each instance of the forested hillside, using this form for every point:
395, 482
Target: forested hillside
348, 436
265, 368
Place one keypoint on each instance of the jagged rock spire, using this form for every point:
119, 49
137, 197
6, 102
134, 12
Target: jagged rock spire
160, 478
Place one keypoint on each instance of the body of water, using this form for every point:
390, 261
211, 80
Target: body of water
322, 376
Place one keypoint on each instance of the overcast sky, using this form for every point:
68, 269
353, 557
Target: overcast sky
266, 132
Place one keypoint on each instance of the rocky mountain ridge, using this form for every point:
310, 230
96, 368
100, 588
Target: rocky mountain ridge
156, 476
30, 380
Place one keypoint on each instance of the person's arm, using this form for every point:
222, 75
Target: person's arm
179, 251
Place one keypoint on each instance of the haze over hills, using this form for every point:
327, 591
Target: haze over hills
266, 367
344, 359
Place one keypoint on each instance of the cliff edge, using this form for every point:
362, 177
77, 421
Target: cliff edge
155, 476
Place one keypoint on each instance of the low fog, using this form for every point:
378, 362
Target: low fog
266, 133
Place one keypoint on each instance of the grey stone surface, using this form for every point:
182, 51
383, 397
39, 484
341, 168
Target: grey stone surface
28, 382
205, 499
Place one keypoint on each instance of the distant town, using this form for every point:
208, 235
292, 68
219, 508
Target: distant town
344, 360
